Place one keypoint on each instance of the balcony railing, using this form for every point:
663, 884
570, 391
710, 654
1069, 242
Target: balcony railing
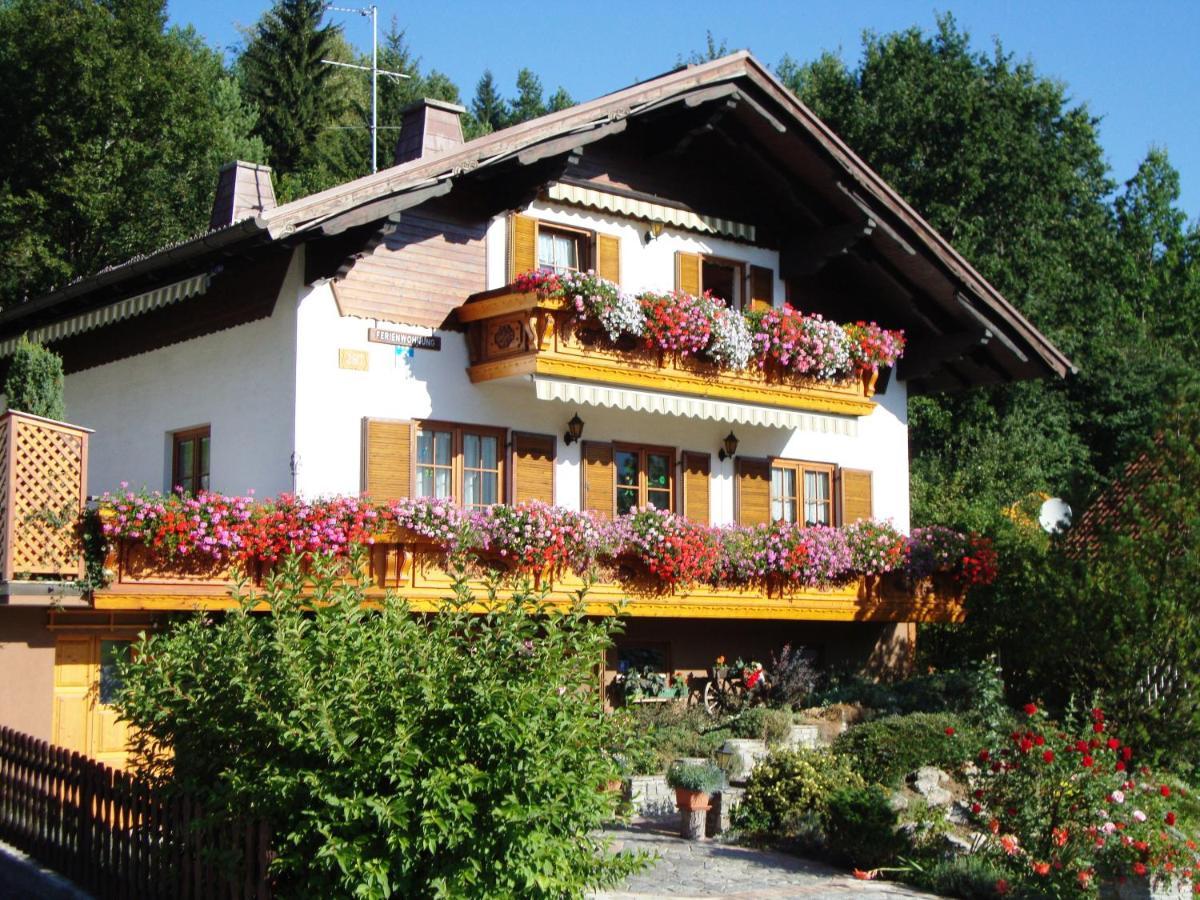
515, 334
418, 572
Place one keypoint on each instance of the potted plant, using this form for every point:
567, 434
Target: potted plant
693, 783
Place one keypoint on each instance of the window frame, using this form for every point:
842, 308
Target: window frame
642, 450
741, 276
458, 465
186, 436
584, 249
800, 467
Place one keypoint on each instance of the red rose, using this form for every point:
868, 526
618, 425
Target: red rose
1048, 756
1139, 868
950, 731
1030, 709
1165, 791
1087, 761
976, 809
1126, 753
1113, 743
1120, 767
1170, 818
1098, 727
984, 756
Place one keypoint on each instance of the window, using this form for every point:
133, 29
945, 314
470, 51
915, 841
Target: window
112, 653
189, 460
643, 477
561, 249
801, 492
724, 278
460, 463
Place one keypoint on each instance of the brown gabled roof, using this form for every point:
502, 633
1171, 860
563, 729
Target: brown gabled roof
915, 249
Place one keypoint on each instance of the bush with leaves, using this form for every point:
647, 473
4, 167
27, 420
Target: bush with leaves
669, 731
788, 794
861, 827
793, 677
762, 724
885, 750
456, 754
35, 381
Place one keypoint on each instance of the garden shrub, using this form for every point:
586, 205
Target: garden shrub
861, 827
793, 677
393, 754
788, 793
1059, 811
669, 731
971, 877
973, 691
885, 750
763, 724
35, 381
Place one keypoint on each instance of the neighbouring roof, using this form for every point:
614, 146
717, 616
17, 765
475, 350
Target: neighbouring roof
1003, 343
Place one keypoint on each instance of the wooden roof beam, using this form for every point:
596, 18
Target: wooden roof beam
923, 356
807, 252
570, 142
388, 206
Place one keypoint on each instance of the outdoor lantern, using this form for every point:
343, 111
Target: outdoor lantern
724, 758
574, 430
729, 447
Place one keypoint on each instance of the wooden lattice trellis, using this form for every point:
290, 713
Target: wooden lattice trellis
43, 486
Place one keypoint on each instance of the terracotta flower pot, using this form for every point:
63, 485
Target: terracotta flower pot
690, 800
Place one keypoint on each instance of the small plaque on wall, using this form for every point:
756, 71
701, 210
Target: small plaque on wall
353, 359
404, 339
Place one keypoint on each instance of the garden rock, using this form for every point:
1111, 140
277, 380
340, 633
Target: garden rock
1134, 888
927, 781
805, 737
959, 814
898, 802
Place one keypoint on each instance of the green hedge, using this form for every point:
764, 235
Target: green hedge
885, 750
788, 793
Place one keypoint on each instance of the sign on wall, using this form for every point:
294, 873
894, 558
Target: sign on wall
404, 339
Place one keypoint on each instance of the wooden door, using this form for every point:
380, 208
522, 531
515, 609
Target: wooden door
84, 686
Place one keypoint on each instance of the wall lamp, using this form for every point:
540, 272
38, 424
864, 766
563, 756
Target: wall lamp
728, 447
655, 230
574, 430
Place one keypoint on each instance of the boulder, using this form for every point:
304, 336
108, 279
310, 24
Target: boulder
928, 781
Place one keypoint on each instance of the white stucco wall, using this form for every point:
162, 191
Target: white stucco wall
240, 382
331, 402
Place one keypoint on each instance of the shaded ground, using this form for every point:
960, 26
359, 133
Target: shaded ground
711, 870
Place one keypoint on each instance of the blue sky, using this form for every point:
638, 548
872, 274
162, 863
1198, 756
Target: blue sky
1134, 64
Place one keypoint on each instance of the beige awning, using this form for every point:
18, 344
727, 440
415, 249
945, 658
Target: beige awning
648, 211
114, 312
690, 407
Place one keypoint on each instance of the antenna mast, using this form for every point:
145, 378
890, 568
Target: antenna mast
373, 12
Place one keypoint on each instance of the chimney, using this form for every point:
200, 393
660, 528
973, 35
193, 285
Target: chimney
243, 190
429, 127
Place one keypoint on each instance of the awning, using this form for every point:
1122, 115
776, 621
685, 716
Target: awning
650, 212
690, 407
114, 312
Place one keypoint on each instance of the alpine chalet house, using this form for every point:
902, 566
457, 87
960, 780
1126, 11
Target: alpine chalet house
402, 336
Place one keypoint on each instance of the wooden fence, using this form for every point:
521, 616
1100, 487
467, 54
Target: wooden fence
112, 835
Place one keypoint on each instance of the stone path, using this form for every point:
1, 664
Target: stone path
716, 871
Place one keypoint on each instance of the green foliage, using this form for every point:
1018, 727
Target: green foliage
861, 827
35, 381
976, 692
706, 778
885, 750
668, 731
111, 146
489, 109
457, 754
788, 793
971, 877
763, 724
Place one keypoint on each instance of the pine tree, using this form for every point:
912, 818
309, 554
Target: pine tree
560, 99
285, 78
488, 107
529, 103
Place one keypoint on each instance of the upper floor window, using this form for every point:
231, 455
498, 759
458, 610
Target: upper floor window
460, 462
644, 477
189, 459
561, 249
801, 492
723, 278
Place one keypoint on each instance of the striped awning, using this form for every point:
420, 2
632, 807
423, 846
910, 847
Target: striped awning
690, 407
114, 312
648, 211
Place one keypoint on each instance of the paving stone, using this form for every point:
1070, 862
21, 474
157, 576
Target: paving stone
720, 871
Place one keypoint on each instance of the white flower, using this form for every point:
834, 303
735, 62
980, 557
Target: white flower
1139, 815
730, 344
1118, 796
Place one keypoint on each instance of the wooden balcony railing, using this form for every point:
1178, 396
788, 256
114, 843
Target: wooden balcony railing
511, 334
43, 486
418, 572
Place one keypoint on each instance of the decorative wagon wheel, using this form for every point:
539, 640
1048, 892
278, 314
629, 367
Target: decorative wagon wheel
723, 694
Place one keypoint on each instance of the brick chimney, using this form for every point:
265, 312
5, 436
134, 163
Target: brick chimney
429, 127
243, 190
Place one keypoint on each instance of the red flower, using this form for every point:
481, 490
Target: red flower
1030, 709
1048, 756
1113, 743
1001, 886
1098, 727
1165, 791
1120, 767
1086, 761
1139, 868
950, 731
1126, 753
976, 809
1041, 868
1170, 818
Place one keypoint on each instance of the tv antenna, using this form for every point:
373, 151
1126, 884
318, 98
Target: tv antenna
373, 12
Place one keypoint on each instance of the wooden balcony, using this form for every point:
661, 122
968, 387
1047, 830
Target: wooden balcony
417, 572
512, 334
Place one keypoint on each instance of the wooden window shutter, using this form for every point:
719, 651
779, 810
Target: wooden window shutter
855, 495
522, 245
533, 467
694, 500
387, 470
753, 484
598, 484
608, 257
687, 272
762, 287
